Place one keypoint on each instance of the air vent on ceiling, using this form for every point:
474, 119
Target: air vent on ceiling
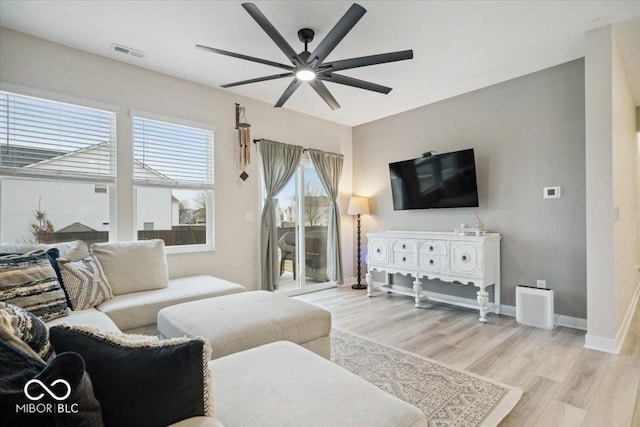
127, 50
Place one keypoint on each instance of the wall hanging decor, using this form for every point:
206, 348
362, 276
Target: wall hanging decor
244, 136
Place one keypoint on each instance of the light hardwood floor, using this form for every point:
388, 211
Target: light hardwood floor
564, 384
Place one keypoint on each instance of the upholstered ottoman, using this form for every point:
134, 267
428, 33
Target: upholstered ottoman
238, 322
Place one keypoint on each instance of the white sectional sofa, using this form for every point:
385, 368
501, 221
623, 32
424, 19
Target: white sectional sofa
139, 294
279, 384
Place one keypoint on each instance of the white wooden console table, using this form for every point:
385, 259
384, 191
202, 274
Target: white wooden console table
450, 257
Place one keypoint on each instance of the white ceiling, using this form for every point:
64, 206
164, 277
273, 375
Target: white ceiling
459, 46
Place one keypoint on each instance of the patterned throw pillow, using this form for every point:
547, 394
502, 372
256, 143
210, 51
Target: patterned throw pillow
85, 282
29, 281
29, 328
131, 375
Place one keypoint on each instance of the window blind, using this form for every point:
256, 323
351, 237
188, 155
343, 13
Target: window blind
49, 139
172, 155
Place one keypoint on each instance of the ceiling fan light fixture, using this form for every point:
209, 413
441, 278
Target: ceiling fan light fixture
305, 74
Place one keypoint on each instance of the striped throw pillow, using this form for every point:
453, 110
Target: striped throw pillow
29, 281
85, 282
28, 328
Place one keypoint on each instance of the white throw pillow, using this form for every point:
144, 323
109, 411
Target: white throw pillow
133, 266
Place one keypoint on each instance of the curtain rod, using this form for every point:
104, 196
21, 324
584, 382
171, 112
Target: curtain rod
255, 141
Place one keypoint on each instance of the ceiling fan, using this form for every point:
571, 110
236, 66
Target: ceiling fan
310, 66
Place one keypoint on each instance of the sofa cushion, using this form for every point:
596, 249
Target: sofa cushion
139, 380
84, 282
298, 387
139, 309
18, 368
29, 328
29, 281
74, 250
89, 317
133, 266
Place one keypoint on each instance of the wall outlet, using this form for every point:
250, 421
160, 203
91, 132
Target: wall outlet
551, 192
541, 283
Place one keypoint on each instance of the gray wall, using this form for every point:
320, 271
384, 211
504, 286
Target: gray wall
527, 133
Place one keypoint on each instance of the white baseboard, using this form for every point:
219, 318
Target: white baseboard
624, 328
610, 345
351, 281
560, 319
607, 345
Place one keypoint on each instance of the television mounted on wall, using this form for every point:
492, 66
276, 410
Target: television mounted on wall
435, 181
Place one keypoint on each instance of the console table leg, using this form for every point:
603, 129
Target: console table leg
483, 301
417, 288
369, 281
496, 298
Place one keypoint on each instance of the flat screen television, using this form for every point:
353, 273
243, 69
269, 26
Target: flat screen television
439, 181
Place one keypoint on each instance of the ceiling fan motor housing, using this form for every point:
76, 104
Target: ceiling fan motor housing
306, 35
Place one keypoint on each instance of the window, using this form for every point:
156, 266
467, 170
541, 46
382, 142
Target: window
173, 174
53, 157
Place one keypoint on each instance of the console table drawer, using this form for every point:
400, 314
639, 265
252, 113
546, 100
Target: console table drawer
430, 262
407, 259
404, 246
433, 247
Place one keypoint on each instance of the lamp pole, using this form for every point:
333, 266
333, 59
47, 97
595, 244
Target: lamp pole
359, 285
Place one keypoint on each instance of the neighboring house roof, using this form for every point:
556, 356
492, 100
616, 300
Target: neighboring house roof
13, 156
97, 159
76, 227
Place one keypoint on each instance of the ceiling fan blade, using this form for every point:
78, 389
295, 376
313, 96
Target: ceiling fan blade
324, 93
245, 57
259, 79
337, 33
271, 31
350, 81
295, 84
365, 61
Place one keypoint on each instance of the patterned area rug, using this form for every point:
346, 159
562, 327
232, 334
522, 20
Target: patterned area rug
447, 396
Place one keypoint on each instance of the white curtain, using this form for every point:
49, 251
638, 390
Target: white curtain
279, 163
329, 168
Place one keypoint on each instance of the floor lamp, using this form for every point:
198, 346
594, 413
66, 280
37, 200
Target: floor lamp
358, 206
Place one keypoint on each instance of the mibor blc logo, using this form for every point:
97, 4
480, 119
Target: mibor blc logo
47, 389
35, 390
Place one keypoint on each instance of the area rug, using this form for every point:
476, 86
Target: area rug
447, 396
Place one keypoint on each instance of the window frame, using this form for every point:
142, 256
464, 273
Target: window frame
209, 190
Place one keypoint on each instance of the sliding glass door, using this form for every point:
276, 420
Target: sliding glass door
302, 213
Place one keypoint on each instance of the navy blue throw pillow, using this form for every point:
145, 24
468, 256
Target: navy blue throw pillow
142, 381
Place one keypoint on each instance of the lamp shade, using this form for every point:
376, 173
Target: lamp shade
358, 206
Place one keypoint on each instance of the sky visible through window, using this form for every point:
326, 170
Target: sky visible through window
286, 196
